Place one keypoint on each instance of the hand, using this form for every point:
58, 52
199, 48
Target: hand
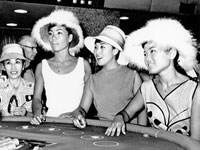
19, 111
79, 121
117, 125
37, 119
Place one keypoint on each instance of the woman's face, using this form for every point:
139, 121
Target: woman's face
156, 58
13, 67
103, 53
59, 38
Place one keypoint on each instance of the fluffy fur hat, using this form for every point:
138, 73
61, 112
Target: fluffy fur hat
167, 32
59, 17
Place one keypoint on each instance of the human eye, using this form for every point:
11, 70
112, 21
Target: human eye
59, 32
95, 48
103, 46
7, 62
50, 33
152, 50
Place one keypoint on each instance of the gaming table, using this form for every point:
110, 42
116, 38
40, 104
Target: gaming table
61, 134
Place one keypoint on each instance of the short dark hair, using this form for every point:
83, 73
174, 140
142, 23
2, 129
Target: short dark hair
51, 25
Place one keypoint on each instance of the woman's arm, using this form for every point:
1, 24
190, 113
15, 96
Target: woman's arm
142, 116
37, 96
137, 83
87, 70
195, 115
118, 124
81, 111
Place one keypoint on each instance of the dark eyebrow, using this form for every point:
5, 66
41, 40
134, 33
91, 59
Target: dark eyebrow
18, 59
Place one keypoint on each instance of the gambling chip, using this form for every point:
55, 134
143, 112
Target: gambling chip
146, 135
106, 143
91, 137
3, 126
25, 127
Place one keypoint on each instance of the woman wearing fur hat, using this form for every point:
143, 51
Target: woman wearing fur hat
112, 88
63, 76
171, 99
15, 92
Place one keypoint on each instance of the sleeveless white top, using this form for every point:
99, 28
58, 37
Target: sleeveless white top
63, 92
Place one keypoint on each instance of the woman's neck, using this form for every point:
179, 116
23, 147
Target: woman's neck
171, 79
15, 82
111, 65
62, 56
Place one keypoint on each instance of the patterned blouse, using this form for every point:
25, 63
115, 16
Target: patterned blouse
172, 112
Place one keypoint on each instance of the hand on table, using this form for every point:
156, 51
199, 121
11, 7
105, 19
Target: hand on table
19, 111
117, 126
37, 119
79, 121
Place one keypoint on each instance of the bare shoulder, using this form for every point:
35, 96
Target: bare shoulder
87, 66
39, 68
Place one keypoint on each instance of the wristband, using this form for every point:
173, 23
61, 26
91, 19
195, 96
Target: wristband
125, 115
82, 111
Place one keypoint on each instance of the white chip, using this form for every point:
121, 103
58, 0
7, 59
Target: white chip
52, 129
24, 127
146, 135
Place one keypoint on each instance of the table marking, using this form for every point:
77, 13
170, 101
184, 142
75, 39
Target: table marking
74, 132
106, 143
51, 129
92, 137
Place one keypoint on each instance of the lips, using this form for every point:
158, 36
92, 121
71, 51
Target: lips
13, 72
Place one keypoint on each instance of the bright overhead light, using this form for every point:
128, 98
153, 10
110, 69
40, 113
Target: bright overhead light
124, 18
20, 11
11, 24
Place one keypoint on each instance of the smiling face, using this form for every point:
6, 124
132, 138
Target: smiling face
156, 57
13, 67
104, 53
59, 37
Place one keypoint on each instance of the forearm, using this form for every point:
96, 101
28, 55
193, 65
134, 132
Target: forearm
37, 107
142, 118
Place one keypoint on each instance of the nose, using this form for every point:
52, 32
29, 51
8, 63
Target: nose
54, 36
13, 66
97, 50
147, 58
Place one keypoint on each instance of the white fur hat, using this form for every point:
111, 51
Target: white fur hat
59, 17
167, 32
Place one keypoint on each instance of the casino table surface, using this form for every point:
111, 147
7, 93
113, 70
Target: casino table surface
60, 134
